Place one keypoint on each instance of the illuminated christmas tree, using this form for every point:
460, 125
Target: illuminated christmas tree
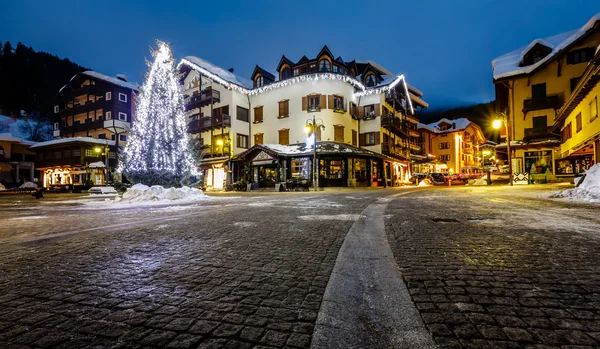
158, 151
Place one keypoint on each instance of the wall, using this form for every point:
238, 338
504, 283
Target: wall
589, 127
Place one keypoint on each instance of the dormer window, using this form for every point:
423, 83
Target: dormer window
259, 82
370, 80
285, 73
296, 72
324, 65
335, 68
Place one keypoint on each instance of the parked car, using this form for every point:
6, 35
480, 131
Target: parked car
438, 177
418, 177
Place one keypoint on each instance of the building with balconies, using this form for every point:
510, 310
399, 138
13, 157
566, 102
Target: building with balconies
453, 145
366, 110
532, 84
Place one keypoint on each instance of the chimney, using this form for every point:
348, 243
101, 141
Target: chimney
230, 70
453, 125
122, 77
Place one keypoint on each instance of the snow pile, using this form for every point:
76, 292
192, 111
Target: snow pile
102, 191
141, 193
28, 185
97, 164
588, 190
479, 181
425, 183
2, 187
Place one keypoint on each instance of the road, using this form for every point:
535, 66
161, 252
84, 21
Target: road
461, 267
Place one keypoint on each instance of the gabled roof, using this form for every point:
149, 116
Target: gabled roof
220, 72
459, 125
325, 51
95, 75
363, 64
508, 65
304, 59
299, 149
263, 72
283, 61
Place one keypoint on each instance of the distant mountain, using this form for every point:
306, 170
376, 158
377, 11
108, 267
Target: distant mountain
482, 114
29, 80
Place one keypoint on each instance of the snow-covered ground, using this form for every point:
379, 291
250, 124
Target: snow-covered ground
587, 191
28, 185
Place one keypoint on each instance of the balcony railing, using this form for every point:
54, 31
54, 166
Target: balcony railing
413, 133
538, 132
548, 102
411, 118
85, 107
89, 125
397, 151
202, 99
207, 123
468, 150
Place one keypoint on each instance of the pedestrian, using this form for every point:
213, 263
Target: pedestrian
38, 194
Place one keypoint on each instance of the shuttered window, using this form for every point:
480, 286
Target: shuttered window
338, 133
258, 138
258, 114
242, 114
284, 136
319, 134
242, 141
566, 133
354, 138
284, 108
369, 138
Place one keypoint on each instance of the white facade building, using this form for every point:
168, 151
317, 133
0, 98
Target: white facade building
368, 112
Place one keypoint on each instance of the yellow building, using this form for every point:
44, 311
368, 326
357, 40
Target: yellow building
532, 83
577, 122
454, 144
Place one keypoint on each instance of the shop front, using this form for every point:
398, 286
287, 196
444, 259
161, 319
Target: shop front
577, 162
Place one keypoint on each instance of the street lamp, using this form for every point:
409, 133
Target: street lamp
505, 120
311, 128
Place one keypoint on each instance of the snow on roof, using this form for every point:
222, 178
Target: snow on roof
112, 80
220, 72
74, 140
374, 64
97, 164
508, 65
322, 147
461, 124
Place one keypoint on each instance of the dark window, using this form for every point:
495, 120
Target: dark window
370, 80
284, 108
242, 114
538, 91
242, 141
258, 114
123, 138
578, 123
112, 137
566, 133
354, 137
259, 81
303, 70
574, 82
338, 103
581, 56
540, 121
314, 102
324, 65
335, 68
102, 136
285, 73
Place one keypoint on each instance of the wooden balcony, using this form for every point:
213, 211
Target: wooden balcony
413, 133
468, 150
206, 123
412, 119
88, 106
538, 133
548, 102
394, 151
202, 99
414, 147
88, 125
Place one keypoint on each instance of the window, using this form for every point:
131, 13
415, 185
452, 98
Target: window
574, 82
284, 136
108, 115
335, 68
303, 70
241, 141
122, 116
445, 145
565, 133
108, 96
258, 138
113, 137
314, 103
444, 157
101, 136
242, 114
259, 82
56, 126
342, 70
540, 122
285, 73
56, 109
324, 65
581, 55
538, 91
312, 67
284, 108
258, 114
594, 109
90, 153
370, 80
370, 110
123, 138
369, 138
354, 137
122, 97
296, 72
353, 111
578, 125
338, 133
338, 103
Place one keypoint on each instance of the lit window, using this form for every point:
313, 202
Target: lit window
108, 96
122, 97
108, 115
56, 109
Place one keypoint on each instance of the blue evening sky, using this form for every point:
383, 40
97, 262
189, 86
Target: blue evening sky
444, 47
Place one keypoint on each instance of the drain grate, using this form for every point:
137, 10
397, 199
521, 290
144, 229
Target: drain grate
445, 220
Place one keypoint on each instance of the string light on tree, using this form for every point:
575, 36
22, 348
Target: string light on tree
158, 151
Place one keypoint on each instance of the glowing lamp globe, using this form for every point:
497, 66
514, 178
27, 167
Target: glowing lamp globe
497, 124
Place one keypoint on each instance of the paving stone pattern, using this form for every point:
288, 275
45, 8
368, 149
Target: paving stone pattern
483, 279
195, 283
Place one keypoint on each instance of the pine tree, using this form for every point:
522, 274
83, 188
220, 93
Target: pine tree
158, 151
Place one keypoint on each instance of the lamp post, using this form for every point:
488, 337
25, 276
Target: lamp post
311, 128
497, 124
220, 142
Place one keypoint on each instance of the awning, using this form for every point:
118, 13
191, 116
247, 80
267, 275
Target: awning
209, 163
